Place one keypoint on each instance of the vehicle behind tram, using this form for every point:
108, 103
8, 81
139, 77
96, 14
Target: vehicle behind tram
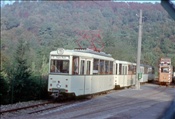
147, 72
79, 72
165, 71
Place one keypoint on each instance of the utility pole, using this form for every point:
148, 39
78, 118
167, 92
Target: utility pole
139, 52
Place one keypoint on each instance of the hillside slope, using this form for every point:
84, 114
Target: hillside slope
45, 26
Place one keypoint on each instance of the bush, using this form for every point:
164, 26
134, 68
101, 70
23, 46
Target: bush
3, 89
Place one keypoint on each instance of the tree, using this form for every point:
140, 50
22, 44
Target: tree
11, 23
3, 89
21, 73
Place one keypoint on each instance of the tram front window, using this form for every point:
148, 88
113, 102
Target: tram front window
164, 70
59, 66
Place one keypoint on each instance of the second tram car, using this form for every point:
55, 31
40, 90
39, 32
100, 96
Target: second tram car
147, 73
124, 73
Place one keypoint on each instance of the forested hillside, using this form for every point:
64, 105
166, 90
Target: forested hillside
45, 26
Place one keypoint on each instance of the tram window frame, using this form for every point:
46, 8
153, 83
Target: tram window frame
149, 70
116, 68
59, 66
75, 69
142, 70
130, 69
111, 67
102, 66
96, 67
163, 71
82, 65
145, 70
152, 70
107, 71
126, 69
134, 69
88, 68
120, 69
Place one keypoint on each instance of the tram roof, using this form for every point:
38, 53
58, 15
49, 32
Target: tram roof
80, 52
125, 62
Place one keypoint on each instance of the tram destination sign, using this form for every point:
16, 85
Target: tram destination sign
59, 57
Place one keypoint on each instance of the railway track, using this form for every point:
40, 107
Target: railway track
51, 105
35, 109
23, 108
132, 102
48, 108
120, 104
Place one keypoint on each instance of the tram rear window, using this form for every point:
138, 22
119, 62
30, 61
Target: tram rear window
165, 70
59, 66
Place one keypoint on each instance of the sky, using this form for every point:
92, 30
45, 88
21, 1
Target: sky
141, 1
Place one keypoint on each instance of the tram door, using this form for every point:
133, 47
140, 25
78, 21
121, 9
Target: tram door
86, 71
124, 72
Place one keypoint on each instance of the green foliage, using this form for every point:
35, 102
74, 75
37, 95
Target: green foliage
11, 23
24, 85
3, 89
44, 67
21, 82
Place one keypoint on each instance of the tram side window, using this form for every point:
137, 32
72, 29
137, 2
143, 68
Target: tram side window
146, 70
142, 70
123, 69
107, 67
149, 70
116, 68
82, 67
153, 71
75, 65
120, 69
111, 67
126, 69
130, 69
134, 69
59, 66
88, 67
102, 71
96, 66
165, 70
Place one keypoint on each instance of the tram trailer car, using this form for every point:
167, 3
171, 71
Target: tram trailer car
147, 73
79, 72
124, 74
151, 74
165, 71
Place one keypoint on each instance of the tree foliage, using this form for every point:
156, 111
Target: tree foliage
4, 88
